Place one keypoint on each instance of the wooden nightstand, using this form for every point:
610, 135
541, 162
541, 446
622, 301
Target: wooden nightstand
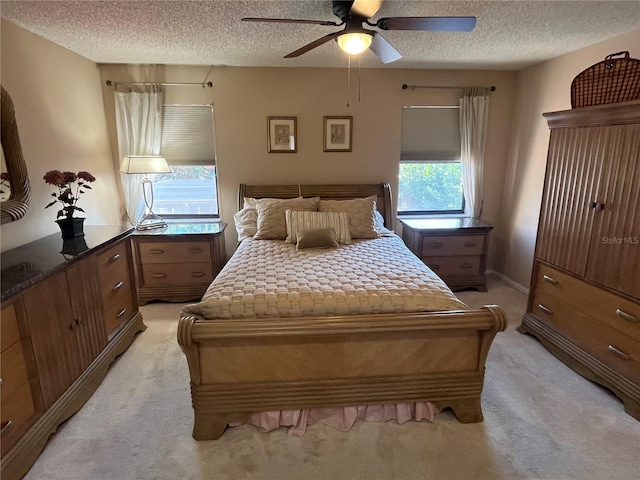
454, 248
178, 262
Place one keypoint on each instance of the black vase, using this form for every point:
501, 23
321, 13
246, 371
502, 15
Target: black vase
71, 227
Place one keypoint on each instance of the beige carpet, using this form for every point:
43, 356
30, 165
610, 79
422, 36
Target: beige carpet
542, 420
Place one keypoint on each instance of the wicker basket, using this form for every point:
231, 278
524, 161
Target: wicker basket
611, 81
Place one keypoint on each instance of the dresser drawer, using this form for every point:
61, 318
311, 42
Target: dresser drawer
156, 275
174, 252
114, 266
119, 307
439, 245
619, 351
17, 410
455, 265
611, 309
9, 332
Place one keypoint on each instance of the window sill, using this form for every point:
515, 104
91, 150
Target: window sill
434, 215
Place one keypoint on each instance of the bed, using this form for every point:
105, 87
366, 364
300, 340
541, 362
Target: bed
300, 350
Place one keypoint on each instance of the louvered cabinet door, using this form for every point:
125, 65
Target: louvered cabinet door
614, 259
575, 161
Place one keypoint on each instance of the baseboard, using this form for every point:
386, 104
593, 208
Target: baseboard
508, 281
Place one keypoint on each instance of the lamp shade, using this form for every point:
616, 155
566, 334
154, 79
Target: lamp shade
144, 164
354, 43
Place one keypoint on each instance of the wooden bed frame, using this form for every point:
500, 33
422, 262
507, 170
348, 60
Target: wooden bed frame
242, 366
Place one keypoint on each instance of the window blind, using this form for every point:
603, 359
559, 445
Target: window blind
430, 133
187, 135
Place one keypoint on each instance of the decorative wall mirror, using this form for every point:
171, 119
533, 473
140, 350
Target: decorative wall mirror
15, 181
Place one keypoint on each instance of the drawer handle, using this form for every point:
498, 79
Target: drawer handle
115, 257
75, 323
118, 285
159, 275
436, 244
197, 274
195, 250
466, 265
6, 425
551, 280
619, 353
121, 313
627, 316
545, 309
470, 244
156, 251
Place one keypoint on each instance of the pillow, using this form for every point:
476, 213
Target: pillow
379, 225
250, 202
361, 214
246, 221
338, 221
271, 220
316, 238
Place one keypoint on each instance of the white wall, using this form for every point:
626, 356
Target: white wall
542, 88
62, 125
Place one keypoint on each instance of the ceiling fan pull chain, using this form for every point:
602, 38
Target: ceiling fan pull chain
359, 76
348, 80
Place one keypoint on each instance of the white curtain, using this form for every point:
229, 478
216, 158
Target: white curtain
474, 114
139, 127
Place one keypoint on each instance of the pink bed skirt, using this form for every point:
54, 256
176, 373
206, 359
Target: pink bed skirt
341, 418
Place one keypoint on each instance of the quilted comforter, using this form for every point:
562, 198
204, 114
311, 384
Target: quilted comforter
270, 278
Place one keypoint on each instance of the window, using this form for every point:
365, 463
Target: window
430, 180
188, 145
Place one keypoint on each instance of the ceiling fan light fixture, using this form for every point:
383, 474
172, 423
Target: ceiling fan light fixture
354, 43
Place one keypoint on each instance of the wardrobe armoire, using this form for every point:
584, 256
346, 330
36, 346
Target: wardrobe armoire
584, 302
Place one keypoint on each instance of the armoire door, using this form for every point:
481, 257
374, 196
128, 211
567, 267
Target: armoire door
574, 165
614, 258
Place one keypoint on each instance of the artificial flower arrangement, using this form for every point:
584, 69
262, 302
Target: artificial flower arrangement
70, 186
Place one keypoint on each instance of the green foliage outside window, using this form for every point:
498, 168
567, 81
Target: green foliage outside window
430, 187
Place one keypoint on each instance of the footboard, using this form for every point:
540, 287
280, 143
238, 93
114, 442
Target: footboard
242, 366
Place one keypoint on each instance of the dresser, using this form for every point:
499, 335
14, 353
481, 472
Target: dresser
68, 310
584, 301
454, 248
177, 263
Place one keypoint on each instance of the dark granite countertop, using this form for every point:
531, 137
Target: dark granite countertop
28, 264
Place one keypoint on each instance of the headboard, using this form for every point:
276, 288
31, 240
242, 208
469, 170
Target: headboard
327, 192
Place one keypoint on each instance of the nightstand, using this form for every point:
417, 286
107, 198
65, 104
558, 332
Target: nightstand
177, 263
454, 248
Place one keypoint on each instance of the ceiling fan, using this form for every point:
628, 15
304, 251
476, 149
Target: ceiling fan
355, 39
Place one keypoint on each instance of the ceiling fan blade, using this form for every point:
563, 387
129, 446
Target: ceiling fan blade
314, 44
383, 49
366, 8
435, 24
288, 20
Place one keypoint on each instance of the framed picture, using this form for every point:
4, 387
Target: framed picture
282, 136
337, 134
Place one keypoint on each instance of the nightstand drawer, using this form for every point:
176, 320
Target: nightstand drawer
173, 274
174, 252
456, 265
444, 245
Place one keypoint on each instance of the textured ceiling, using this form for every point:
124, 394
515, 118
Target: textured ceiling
509, 34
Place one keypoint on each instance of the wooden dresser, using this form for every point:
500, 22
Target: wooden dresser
68, 309
178, 262
584, 302
454, 248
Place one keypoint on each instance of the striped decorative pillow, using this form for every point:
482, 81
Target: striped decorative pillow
298, 220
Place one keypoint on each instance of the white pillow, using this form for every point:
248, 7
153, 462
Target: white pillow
379, 225
246, 221
298, 220
360, 211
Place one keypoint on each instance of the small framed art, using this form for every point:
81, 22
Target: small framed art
282, 135
337, 134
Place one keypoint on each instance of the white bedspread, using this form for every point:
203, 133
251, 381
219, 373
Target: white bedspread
271, 278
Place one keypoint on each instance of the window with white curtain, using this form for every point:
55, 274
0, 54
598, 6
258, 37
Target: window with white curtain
189, 147
430, 180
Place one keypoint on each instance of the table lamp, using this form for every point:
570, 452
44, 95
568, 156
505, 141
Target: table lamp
146, 164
